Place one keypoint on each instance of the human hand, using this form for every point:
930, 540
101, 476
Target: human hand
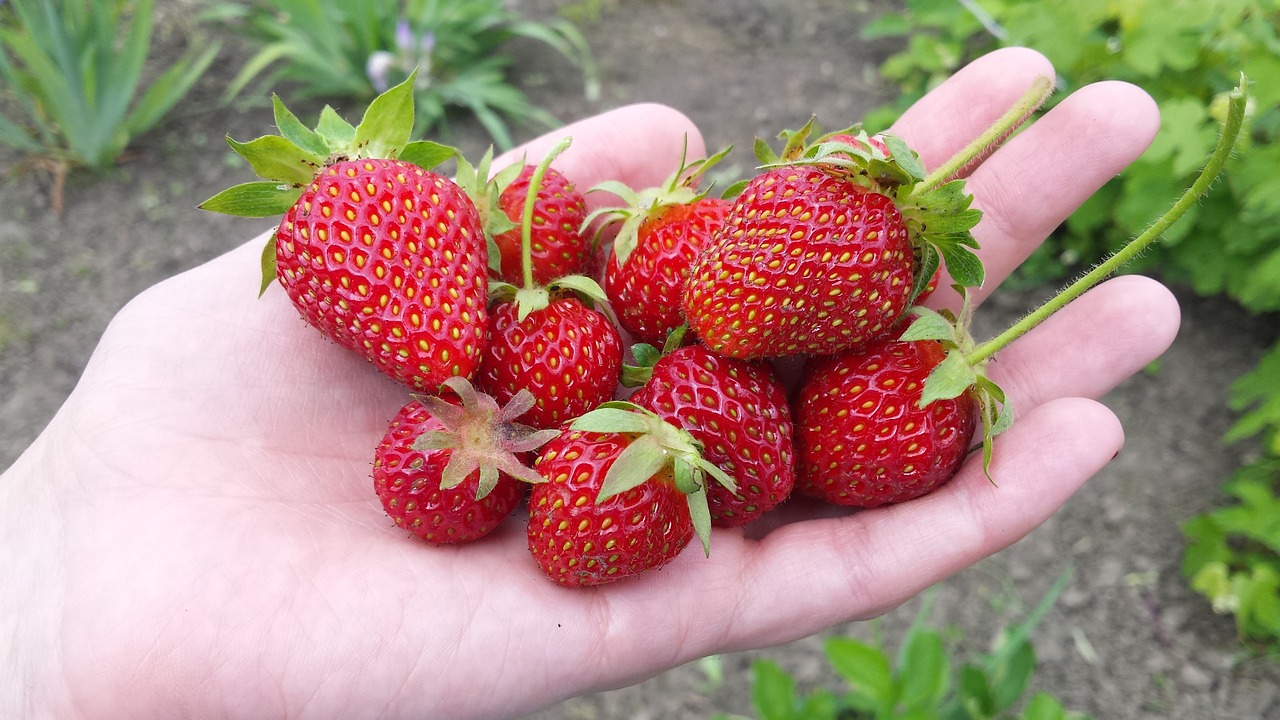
195, 533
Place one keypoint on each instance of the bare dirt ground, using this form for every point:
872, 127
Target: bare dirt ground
1126, 640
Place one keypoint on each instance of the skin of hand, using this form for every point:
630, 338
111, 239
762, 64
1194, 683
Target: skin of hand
195, 533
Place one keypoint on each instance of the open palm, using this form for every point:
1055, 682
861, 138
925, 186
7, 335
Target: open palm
195, 534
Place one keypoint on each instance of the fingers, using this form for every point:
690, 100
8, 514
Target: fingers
639, 145
947, 119
836, 570
1028, 186
1031, 184
1091, 345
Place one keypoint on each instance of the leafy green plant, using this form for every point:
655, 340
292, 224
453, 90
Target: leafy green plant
1233, 552
338, 48
920, 683
1187, 54
71, 70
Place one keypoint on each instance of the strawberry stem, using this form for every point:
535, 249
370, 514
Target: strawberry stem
526, 217
1033, 98
1212, 168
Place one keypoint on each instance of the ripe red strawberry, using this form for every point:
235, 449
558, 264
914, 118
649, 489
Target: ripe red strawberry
624, 494
567, 354
382, 255
558, 245
861, 437
662, 231
545, 339
450, 471
738, 412
645, 289
818, 253
388, 260
806, 262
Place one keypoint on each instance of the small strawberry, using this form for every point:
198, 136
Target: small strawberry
624, 494
818, 253
863, 437
738, 411
450, 471
566, 353
661, 232
381, 255
546, 340
558, 246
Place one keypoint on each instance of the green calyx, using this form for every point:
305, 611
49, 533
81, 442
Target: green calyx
638, 207
956, 375
288, 162
482, 436
486, 193
657, 446
646, 356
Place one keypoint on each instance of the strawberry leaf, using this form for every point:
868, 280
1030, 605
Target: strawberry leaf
611, 420
275, 158
426, 154
927, 266
388, 122
714, 471
963, 264
582, 285
635, 465
268, 261
902, 153
700, 514
928, 325
951, 378
257, 199
337, 133
292, 129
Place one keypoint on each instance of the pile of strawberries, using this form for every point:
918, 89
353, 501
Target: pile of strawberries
480, 295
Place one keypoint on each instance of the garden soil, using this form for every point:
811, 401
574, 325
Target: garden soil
1127, 639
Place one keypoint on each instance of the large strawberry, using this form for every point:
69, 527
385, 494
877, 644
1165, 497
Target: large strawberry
450, 471
738, 411
382, 255
625, 492
661, 230
547, 340
818, 253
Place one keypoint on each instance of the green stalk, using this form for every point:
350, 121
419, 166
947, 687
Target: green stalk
1013, 117
1213, 167
526, 217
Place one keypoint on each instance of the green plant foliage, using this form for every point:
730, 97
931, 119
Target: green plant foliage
1187, 54
920, 682
1233, 555
339, 48
1233, 552
71, 70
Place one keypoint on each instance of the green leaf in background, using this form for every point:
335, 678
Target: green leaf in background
924, 670
73, 68
864, 667
772, 691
